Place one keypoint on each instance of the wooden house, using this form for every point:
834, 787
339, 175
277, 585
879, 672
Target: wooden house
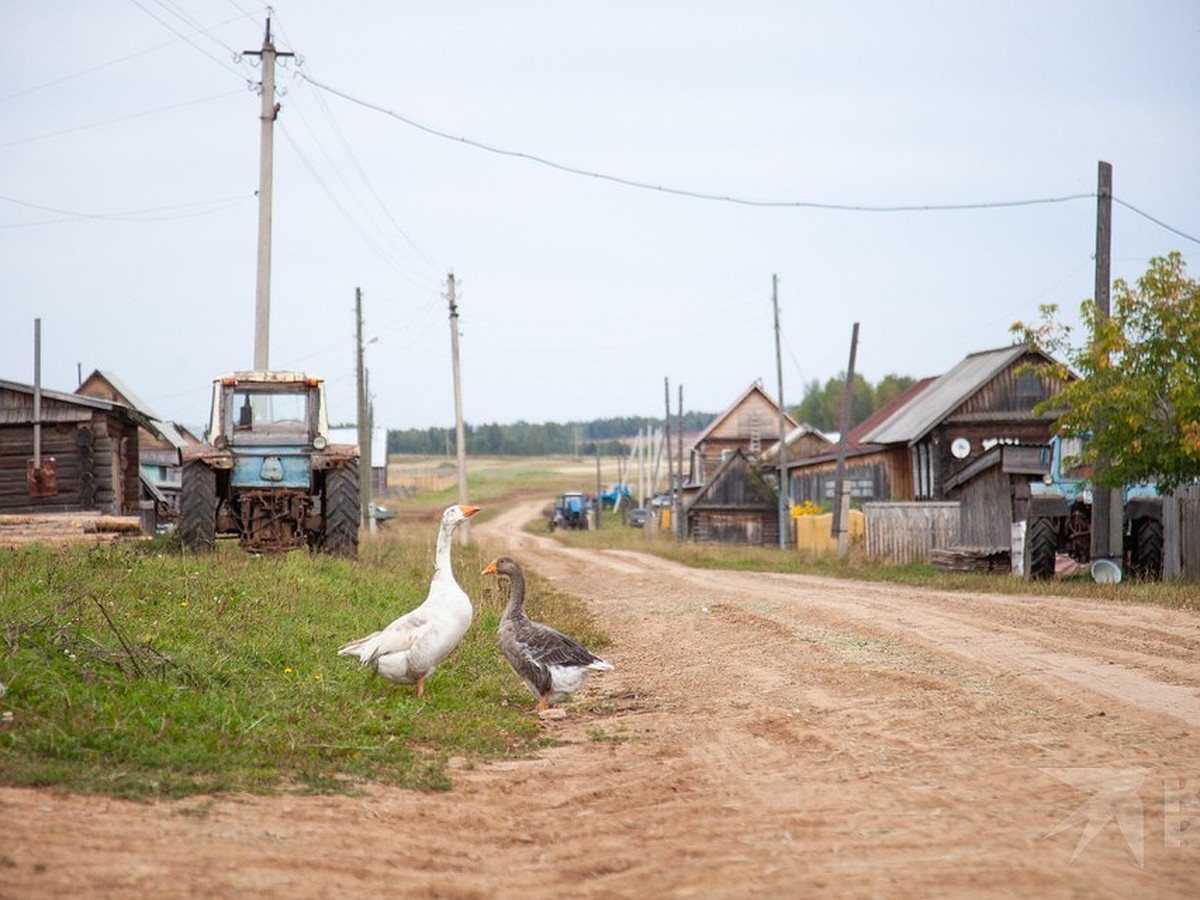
869, 470
160, 442
750, 425
87, 447
737, 505
911, 450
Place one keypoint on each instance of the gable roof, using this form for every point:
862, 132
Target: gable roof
914, 420
97, 403
167, 431
756, 387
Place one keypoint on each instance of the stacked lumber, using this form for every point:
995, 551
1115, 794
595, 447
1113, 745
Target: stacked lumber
972, 559
66, 528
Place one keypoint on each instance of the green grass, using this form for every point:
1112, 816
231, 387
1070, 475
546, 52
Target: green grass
140, 671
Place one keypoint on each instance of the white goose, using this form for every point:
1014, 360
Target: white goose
410, 648
551, 664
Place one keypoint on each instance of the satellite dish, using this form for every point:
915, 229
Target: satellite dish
960, 448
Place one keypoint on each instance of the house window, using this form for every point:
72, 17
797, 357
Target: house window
1029, 390
922, 458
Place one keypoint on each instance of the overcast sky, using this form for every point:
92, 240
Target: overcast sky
593, 256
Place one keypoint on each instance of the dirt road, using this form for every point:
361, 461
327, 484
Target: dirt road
761, 736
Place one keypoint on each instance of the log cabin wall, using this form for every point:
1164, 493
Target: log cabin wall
94, 446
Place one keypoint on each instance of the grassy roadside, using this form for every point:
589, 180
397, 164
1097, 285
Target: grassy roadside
140, 671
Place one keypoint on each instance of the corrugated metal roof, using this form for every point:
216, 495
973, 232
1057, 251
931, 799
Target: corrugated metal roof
914, 420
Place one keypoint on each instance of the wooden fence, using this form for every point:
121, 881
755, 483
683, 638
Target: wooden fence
1181, 534
910, 532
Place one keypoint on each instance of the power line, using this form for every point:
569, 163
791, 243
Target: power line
725, 198
684, 192
1158, 222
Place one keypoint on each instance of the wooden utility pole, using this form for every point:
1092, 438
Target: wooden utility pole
364, 419
1106, 538
784, 511
670, 469
270, 109
841, 498
679, 463
463, 529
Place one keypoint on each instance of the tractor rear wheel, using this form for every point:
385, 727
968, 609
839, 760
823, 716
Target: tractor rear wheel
1146, 535
198, 507
1042, 541
342, 511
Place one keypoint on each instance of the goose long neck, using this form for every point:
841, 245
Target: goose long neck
516, 595
441, 554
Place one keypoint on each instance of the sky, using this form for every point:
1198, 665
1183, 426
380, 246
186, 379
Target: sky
614, 186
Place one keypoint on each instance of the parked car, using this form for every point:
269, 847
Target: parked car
638, 517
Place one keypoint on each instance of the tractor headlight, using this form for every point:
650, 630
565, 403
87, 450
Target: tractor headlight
320, 442
221, 442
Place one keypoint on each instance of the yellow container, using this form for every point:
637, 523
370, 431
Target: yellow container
812, 532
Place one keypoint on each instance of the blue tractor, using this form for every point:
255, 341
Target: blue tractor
570, 511
619, 494
267, 473
1060, 517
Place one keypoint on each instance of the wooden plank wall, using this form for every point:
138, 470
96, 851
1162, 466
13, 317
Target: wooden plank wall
908, 532
1187, 502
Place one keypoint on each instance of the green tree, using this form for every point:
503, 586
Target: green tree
1137, 396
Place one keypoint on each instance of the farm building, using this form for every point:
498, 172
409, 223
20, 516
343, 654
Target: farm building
735, 506
866, 474
911, 450
87, 448
159, 444
750, 424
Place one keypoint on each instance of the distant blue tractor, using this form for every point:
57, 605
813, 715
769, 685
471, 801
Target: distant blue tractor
619, 492
570, 511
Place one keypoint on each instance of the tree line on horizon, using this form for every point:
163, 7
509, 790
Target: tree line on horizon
820, 407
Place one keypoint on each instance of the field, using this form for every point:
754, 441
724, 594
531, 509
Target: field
765, 733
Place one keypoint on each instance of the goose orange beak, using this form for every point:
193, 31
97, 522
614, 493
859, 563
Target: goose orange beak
468, 511
491, 569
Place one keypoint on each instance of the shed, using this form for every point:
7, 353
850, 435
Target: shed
735, 506
750, 424
993, 493
89, 450
159, 444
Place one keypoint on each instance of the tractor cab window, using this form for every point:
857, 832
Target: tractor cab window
262, 410
1072, 466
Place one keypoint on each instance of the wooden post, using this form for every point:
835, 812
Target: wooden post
464, 533
841, 498
1103, 544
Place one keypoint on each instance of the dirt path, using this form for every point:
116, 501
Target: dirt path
761, 736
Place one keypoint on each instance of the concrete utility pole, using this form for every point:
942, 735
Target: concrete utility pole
463, 529
1106, 534
784, 511
364, 421
270, 109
